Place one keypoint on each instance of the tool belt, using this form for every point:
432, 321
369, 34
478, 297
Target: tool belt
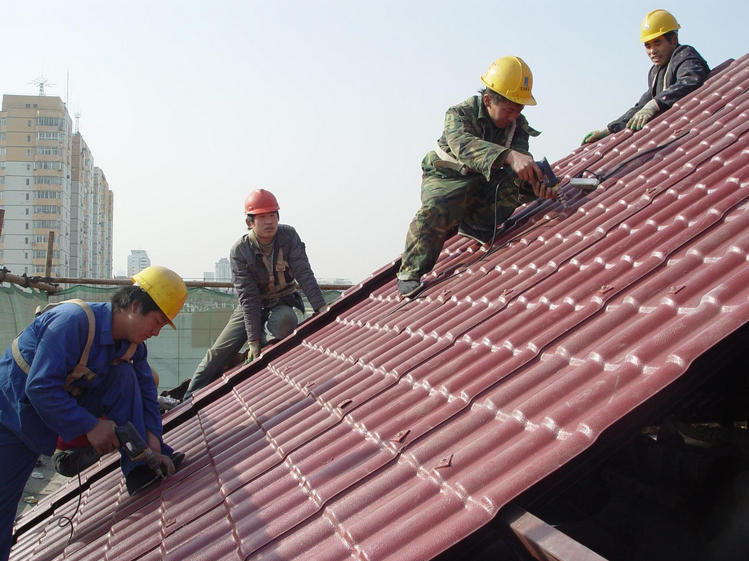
80, 370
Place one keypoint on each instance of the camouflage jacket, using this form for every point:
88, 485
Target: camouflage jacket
471, 137
251, 278
685, 72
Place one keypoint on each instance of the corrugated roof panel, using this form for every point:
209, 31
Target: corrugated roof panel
397, 429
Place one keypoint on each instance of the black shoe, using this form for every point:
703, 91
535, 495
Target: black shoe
139, 478
409, 288
484, 237
177, 458
73, 461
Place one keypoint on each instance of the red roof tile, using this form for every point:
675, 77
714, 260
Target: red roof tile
396, 430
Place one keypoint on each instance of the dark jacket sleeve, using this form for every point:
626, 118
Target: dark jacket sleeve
302, 271
688, 72
247, 289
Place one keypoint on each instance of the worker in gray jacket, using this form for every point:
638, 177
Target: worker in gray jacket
677, 70
265, 264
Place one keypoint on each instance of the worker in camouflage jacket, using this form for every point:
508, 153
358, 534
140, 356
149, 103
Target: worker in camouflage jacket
677, 71
479, 172
265, 264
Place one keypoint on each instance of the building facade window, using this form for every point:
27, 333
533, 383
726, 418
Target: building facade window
48, 180
28, 123
49, 121
48, 151
48, 136
48, 165
2, 136
3, 121
46, 194
46, 209
49, 224
2, 150
41, 239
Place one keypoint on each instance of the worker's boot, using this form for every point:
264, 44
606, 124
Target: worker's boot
409, 288
142, 477
73, 461
484, 237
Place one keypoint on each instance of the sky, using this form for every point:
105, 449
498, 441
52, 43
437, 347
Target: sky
331, 105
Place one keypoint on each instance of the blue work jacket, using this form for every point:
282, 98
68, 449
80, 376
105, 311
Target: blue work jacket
36, 406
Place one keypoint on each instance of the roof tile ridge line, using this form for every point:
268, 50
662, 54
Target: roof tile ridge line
318, 399
360, 293
604, 298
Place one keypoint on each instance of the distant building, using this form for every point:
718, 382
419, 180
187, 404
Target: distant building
223, 270
137, 261
208, 276
48, 184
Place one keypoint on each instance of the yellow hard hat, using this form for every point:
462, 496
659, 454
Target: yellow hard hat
166, 289
510, 77
656, 23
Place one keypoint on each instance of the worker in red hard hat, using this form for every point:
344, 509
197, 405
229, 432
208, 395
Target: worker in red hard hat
265, 262
677, 71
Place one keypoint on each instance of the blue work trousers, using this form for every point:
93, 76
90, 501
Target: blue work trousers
117, 396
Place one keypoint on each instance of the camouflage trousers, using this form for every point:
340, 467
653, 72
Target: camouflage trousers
447, 199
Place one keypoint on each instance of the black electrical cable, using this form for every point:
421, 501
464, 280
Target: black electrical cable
64, 520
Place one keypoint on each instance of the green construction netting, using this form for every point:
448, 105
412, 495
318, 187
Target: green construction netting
175, 354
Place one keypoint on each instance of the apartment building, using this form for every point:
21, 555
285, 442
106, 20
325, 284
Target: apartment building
48, 184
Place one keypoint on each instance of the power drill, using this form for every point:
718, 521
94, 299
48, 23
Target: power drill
136, 448
549, 179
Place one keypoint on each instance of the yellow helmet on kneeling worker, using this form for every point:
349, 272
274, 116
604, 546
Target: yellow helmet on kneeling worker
165, 287
511, 78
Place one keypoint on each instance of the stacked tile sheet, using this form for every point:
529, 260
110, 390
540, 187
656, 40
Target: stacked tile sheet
399, 428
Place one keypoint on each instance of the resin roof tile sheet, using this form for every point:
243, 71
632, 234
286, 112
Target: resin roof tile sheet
396, 430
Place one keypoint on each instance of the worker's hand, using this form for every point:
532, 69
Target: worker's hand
253, 351
524, 166
103, 438
595, 136
165, 463
639, 119
541, 190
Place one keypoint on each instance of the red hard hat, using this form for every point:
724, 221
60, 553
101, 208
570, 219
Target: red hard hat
260, 201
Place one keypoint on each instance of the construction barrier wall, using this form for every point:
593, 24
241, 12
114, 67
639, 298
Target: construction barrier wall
175, 354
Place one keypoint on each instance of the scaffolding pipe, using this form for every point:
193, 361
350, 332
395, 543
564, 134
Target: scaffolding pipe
50, 283
29, 282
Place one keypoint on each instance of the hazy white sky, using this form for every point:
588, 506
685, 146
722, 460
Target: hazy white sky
331, 105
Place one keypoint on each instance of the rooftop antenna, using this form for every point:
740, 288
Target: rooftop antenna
41, 82
77, 122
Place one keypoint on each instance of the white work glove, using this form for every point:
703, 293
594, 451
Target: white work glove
595, 136
639, 119
253, 352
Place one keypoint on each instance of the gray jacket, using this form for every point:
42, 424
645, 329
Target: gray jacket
684, 73
252, 281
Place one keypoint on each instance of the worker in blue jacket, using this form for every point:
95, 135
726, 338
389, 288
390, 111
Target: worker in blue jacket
75, 364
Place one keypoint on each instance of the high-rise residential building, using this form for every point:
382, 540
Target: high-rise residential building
137, 261
104, 213
81, 210
36, 144
223, 270
48, 183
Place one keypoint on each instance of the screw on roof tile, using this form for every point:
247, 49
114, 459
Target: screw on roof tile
444, 462
676, 288
344, 403
400, 435
605, 288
